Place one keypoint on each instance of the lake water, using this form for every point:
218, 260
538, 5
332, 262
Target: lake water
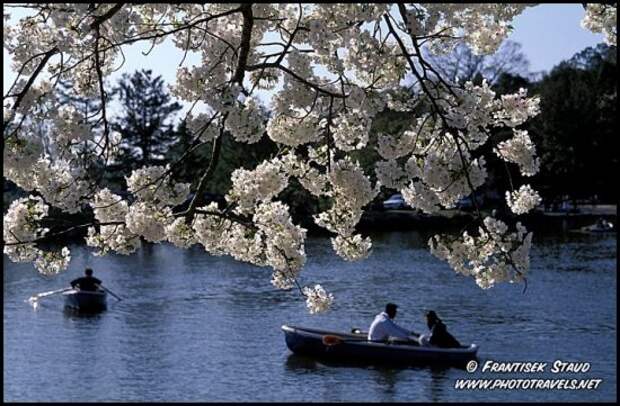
193, 327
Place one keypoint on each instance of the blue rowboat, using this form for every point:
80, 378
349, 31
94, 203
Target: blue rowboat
356, 348
85, 301
596, 229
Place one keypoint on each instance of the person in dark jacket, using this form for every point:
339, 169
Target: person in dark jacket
87, 283
439, 336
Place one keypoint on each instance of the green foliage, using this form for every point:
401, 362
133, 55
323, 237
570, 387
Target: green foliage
576, 132
233, 155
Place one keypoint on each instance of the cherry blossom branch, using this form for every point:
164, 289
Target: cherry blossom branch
439, 112
33, 77
139, 37
215, 155
53, 236
296, 76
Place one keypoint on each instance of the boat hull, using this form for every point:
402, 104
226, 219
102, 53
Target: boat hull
85, 301
355, 348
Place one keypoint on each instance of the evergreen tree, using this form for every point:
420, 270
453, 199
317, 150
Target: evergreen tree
145, 128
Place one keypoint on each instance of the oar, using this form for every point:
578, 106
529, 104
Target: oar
33, 300
358, 331
110, 292
331, 340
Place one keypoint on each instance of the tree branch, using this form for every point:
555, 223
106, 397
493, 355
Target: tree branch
109, 14
33, 77
246, 36
198, 198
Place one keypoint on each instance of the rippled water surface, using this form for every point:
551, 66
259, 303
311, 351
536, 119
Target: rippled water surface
194, 327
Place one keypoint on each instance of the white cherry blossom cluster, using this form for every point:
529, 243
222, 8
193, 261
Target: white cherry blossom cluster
602, 18
148, 221
245, 122
20, 154
262, 183
391, 175
351, 190
471, 112
112, 238
284, 241
22, 224
317, 299
109, 207
221, 236
445, 177
180, 233
202, 124
495, 255
475, 110
520, 150
396, 146
350, 183
418, 195
70, 126
52, 262
211, 230
517, 108
292, 131
366, 56
153, 184
352, 248
481, 26
523, 200
31, 167
314, 181
351, 130
112, 234
275, 242
60, 183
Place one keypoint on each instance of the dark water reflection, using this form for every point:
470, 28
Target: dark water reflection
195, 327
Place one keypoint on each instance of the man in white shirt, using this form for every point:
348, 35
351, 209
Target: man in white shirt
383, 326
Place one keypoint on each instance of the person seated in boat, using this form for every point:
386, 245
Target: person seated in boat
87, 283
384, 328
601, 223
438, 335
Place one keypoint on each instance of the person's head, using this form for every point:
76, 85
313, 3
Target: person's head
390, 309
431, 318
88, 272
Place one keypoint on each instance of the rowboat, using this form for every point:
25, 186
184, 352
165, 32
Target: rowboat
599, 228
604, 229
355, 347
85, 301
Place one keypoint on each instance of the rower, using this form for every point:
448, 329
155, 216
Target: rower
87, 282
438, 335
383, 327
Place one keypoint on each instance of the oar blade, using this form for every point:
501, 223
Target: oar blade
110, 292
34, 299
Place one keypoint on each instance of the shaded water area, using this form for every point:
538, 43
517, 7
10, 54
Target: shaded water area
193, 327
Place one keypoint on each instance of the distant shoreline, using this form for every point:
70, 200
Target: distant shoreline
446, 221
